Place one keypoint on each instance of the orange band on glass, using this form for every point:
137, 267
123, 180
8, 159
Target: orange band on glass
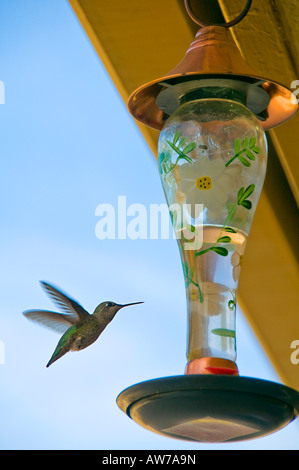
211, 365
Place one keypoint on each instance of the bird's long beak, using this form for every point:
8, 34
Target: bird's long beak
127, 305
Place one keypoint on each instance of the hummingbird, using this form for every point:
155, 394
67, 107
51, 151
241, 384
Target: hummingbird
80, 329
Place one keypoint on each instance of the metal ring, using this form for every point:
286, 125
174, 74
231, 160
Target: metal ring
225, 25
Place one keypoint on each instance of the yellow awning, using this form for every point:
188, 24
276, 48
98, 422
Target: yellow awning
138, 41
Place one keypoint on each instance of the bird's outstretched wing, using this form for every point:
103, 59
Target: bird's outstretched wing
56, 321
68, 305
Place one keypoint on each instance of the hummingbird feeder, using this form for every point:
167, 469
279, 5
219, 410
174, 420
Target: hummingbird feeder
212, 110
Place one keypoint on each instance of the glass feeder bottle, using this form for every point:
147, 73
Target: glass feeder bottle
212, 155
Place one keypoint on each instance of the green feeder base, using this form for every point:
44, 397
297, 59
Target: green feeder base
210, 408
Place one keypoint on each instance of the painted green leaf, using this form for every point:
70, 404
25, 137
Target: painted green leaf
184, 157
230, 230
188, 276
173, 146
202, 252
185, 268
244, 194
245, 142
248, 191
252, 142
182, 142
176, 136
224, 332
240, 194
256, 149
173, 217
190, 147
219, 250
243, 160
224, 239
237, 145
191, 228
247, 204
231, 304
249, 155
201, 299
161, 157
179, 152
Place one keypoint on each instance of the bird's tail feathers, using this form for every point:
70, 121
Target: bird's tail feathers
56, 355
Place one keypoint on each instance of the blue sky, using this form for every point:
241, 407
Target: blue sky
67, 145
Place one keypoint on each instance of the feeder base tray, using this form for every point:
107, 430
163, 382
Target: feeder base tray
210, 408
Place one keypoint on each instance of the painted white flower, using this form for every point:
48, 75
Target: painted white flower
236, 261
208, 182
214, 299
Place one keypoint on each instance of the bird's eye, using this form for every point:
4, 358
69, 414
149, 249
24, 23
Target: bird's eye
109, 304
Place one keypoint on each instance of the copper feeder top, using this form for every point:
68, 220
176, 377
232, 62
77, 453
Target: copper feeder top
212, 59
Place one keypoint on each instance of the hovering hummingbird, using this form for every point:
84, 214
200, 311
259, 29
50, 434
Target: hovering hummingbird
79, 327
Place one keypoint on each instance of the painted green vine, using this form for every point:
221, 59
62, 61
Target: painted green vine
245, 151
242, 200
178, 145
